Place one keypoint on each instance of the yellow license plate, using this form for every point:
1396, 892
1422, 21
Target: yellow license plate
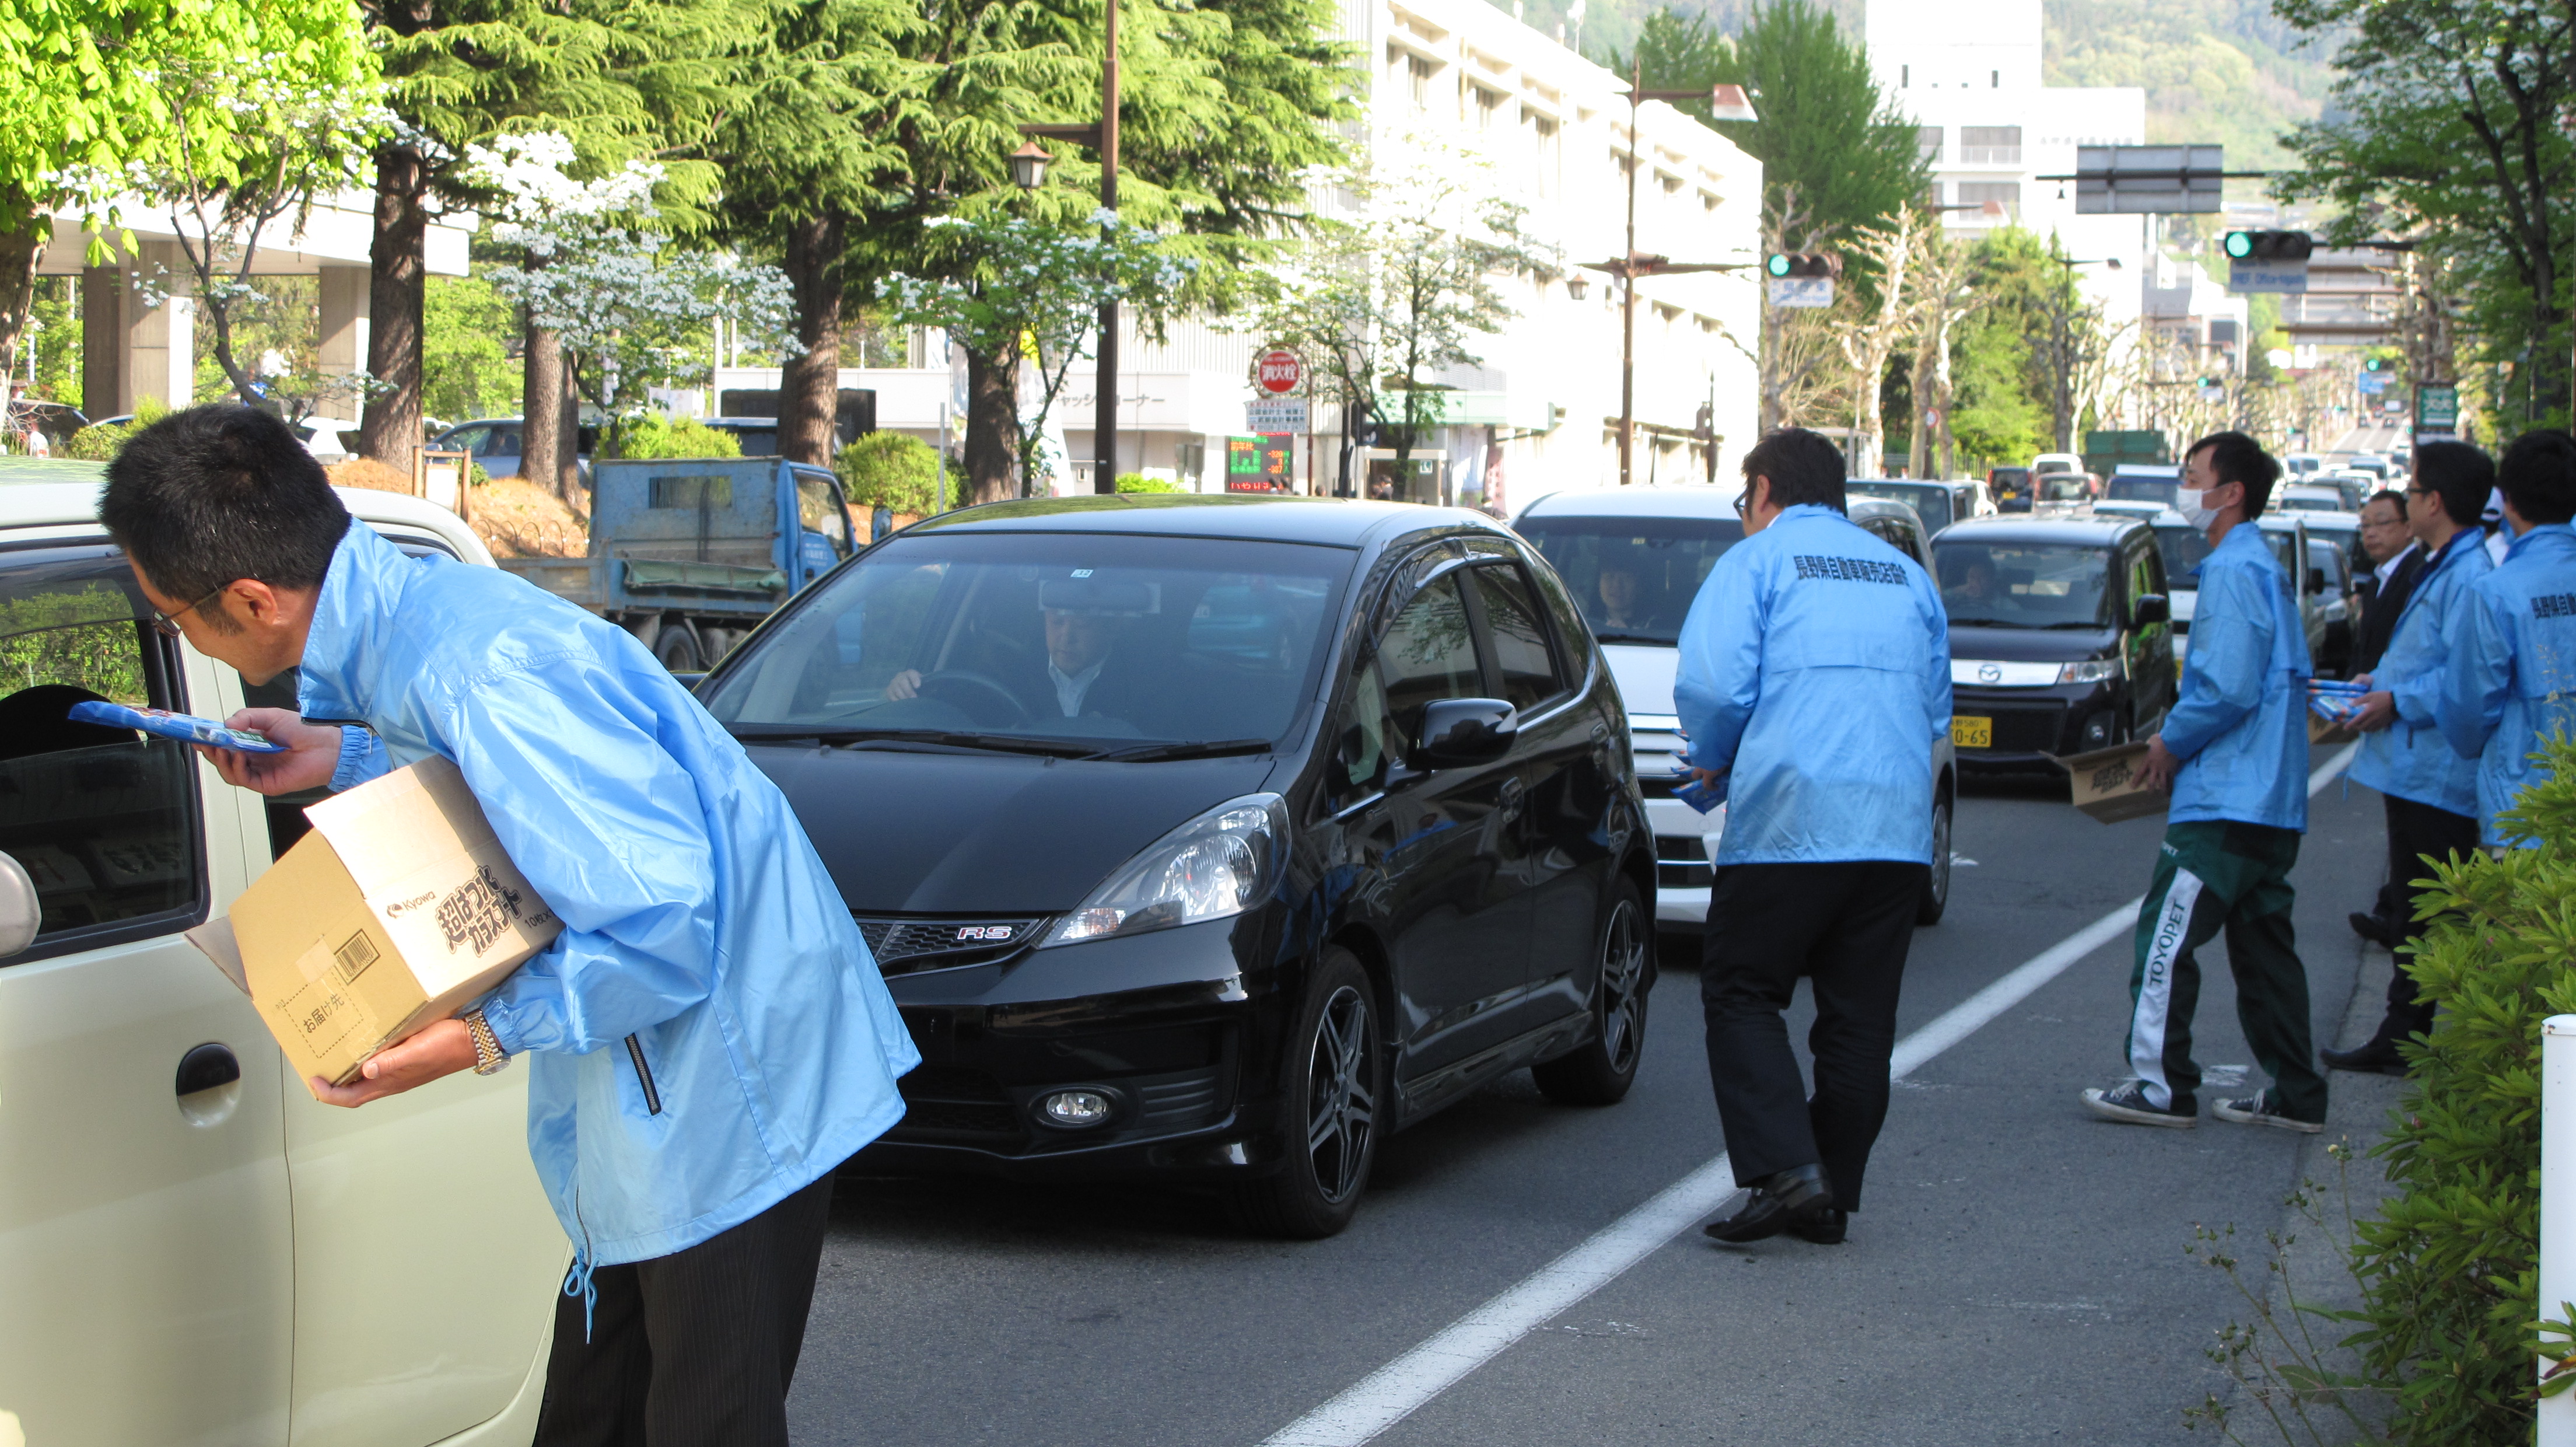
1972, 733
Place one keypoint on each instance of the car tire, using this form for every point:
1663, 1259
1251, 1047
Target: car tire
1600, 1071
1333, 1100
676, 648
1936, 885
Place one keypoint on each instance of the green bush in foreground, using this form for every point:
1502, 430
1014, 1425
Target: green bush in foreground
1139, 482
890, 470
661, 437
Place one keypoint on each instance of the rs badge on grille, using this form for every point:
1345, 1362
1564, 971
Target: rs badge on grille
990, 932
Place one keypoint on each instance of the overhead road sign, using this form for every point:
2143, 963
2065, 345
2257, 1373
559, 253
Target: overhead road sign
2137, 180
2274, 261
1801, 278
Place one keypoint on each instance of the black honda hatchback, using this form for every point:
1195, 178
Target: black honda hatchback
1213, 838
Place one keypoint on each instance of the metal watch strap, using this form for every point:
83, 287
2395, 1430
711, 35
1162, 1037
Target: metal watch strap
488, 1057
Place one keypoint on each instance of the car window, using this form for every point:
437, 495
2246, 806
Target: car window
1895, 534
2182, 549
2024, 585
499, 442
818, 508
2143, 574
1633, 578
1427, 654
104, 820
1526, 665
1047, 635
1930, 502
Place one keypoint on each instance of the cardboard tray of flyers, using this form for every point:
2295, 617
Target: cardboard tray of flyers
2105, 783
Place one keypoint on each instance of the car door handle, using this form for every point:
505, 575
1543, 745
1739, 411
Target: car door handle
1512, 788
206, 1067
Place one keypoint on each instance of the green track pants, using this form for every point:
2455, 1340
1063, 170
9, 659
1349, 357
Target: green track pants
2212, 876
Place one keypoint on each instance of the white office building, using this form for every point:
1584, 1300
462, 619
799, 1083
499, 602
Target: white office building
1551, 131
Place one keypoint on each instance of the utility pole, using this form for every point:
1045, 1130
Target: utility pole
1104, 427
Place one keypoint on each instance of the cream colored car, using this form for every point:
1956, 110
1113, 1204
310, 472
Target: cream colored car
192, 1249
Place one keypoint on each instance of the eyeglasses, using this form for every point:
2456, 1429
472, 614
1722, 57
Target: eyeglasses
167, 624
1740, 501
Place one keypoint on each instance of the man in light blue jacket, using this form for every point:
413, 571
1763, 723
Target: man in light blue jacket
2234, 752
1814, 679
2431, 793
2510, 681
708, 1037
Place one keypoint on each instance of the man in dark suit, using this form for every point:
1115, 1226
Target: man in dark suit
2396, 558
1083, 673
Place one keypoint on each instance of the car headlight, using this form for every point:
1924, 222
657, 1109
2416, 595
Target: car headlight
2092, 672
1216, 865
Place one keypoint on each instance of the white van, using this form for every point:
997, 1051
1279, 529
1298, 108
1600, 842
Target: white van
193, 1249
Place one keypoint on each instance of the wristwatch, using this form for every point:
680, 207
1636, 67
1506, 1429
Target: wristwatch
489, 1058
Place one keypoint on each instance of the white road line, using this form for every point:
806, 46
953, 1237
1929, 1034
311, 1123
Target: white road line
1392, 1392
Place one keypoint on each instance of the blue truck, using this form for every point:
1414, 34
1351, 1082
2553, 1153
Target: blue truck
688, 554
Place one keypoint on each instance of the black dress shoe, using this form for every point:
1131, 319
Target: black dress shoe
2374, 929
1825, 1228
2374, 1057
1782, 1201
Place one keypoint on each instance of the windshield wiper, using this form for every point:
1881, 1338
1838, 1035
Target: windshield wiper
1655, 639
1149, 753
991, 743
1985, 623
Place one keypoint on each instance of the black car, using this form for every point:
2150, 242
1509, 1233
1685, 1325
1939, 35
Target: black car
2060, 636
2012, 488
1211, 838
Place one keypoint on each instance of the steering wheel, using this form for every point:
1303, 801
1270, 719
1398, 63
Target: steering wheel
981, 697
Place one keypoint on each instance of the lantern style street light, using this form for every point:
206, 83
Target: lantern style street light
1029, 166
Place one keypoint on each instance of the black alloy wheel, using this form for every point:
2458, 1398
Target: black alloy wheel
1599, 1071
1936, 886
1336, 1081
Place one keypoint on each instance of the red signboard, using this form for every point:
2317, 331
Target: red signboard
1280, 372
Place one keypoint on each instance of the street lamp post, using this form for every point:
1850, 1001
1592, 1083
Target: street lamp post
1104, 139
1726, 103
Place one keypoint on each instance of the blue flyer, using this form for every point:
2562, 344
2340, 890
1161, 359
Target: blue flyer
186, 728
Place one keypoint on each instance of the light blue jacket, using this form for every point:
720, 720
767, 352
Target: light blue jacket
2410, 759
709, 1034
2240, 726
2511, 680
1815, 666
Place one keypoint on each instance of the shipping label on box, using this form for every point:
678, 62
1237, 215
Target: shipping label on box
2106, 785
398, 909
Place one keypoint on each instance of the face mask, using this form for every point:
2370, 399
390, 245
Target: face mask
2194, 506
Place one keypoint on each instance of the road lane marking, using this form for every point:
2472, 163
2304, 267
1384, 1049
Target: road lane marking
1394, 1391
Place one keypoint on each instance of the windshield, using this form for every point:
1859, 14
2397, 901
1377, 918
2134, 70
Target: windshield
995, 639
2183, 548
1932, 504
2130, 487
2065, 487
2024, 585
2298, 503
1633, 577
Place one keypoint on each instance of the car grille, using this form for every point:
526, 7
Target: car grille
2020, 729
1177, 1102
907, 946
947, 1101
1681, 862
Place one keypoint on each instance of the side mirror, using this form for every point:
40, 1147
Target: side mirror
19, 913
2316, 580
1464, 731
2150, 608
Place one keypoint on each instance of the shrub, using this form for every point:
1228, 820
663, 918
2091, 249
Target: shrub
890, 470
98, 443
2451, 1266
1139, 482
658, 436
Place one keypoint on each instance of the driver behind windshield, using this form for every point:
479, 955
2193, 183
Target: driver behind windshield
1082, 636
1977, 584
1621, 610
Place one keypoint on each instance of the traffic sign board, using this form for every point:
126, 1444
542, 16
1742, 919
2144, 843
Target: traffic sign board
1810, 291
1279, 371
2374, 382
2280, 276
1287, 416
2437, 407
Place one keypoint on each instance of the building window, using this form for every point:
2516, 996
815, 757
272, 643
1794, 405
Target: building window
1543, 134
1417, 81
1489, 106
1927, 140
1994, 80
1978, 193
1904, 76
1989, 146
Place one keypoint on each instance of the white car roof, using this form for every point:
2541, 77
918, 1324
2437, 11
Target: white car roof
1682, 500
71, 507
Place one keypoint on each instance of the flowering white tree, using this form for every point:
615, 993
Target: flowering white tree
630, 310
1033, 293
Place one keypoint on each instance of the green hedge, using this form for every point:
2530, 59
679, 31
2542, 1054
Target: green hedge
891, 470
1139, 482
656, 436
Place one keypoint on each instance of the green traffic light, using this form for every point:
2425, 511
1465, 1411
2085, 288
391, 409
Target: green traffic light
2375, 364
1778, 264
2240, 244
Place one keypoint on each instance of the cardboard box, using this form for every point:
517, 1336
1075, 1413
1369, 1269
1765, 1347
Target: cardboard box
397, 910
2322, 732
2105, 784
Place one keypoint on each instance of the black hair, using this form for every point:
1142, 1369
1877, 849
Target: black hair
2235, 457
1803, 467
2388, 494
2539, 476
221, 492
2463, 477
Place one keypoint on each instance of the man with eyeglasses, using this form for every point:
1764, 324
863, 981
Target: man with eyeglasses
708, 1038
2429, 791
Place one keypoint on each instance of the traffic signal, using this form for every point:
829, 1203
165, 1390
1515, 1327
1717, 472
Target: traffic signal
2270, 245
2374, 364
1803, 263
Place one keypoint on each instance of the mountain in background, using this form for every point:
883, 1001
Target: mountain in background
2214, 70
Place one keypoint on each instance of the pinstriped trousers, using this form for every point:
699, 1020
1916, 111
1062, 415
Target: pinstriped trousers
2213, 876
693, 1349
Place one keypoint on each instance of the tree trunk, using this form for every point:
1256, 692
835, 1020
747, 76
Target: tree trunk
567, 480
19, 253
809, 385
397, 283
992, 403
541, 387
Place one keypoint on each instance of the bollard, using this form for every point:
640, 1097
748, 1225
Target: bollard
2557, 1416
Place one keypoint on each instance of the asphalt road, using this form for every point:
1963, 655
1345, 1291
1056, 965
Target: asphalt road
2019, 1271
